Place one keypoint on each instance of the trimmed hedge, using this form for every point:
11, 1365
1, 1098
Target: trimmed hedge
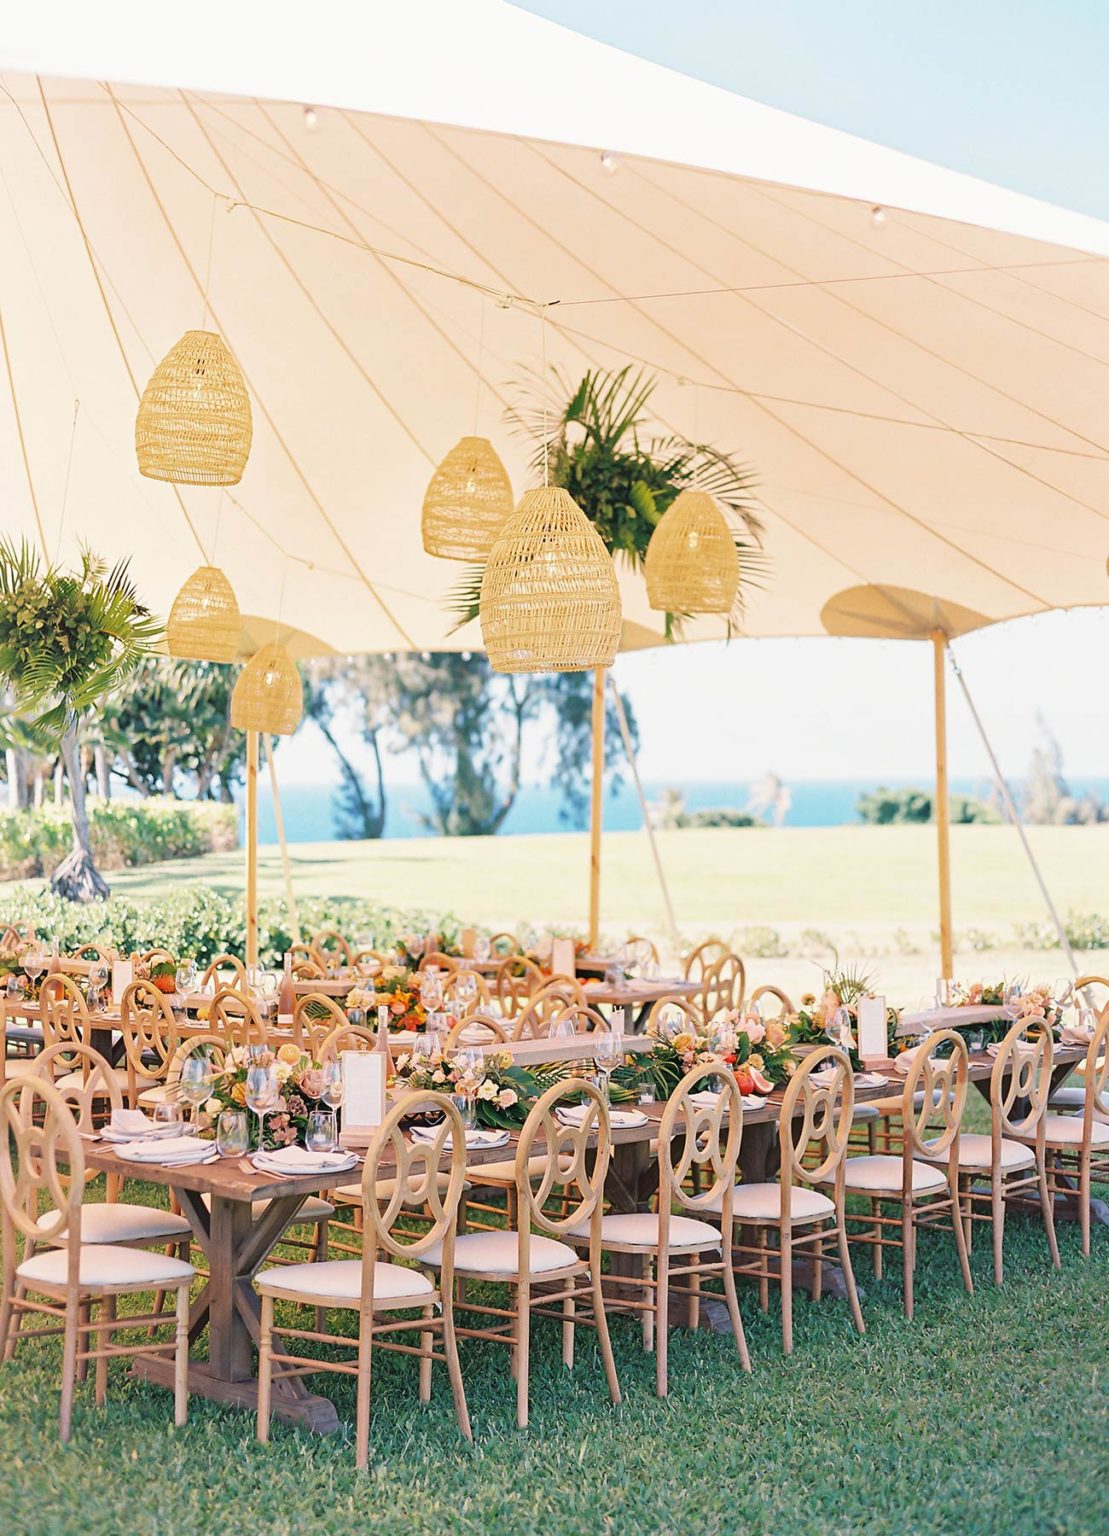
124, 833
202, 923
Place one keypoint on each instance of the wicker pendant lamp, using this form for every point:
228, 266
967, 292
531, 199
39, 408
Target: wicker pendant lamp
549, 598
467, 503
692, 565
203, 624
193, 425
268, 695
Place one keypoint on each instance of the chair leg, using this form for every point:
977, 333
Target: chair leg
908, 1256
319, 1256
960, 1238
648, 1313
762, 1244
876, 1251
426, 1340
362, 1397
568, 1326
662, 1322
16, 1324
600, 1317
849, 1274
732, 1303
85, 1313
695, 1291
1083, 1206
181, 1357
966, 1207
69, 1369
523, 1344
997, 1213
1047, 1205
454, 1370
265, 1369
104, 1335
785, 1266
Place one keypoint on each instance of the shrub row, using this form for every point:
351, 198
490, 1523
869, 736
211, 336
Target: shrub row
124, 833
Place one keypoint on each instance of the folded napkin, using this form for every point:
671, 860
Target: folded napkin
1075, 1034
707, 1099
303, 1160
130, 1122
903, 1062
171, 1151
870, 1080
474, 1138
619, 1119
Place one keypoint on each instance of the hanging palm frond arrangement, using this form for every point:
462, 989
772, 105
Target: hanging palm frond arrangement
67, 638
597, 447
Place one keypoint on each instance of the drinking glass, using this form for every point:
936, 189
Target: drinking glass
320, 1133
608, 1054
12, 987
261, 1093
332, 1094
1087, 1020
670, 1021
467, 1108
424, 1052
98, 976
431, 988
34, 963
562, 1029
196, 1076
167, 1112
976, 1040
465, 991
356, 1016
471, 1071
839, 1030
185, 976
232, 1133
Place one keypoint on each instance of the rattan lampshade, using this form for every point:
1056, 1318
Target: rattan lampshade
268, 695
692, 564
467, 503
203, 624
193, 424
549, 598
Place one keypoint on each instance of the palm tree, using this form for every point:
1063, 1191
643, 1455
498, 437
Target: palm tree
67, 639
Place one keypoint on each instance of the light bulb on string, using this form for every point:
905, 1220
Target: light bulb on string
610, 163
878, 216
311, 118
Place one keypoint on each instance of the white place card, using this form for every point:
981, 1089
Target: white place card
123, 974
363, 1096
873, 1045
563, 958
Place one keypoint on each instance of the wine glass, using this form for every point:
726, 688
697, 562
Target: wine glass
670, 1021
839, 1030
424, 1053
98, 977
431, 988
332, 1093
465, 991
196, 1077
261, 1093
34, 963
185, 976
608, 1054
232, 1133
471, 1071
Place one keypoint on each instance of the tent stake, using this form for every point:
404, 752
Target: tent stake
596, 809
943, 805
279, 821
251, 848
622, 721
1014, 815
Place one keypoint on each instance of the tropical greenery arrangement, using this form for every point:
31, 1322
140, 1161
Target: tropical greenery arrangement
598, 446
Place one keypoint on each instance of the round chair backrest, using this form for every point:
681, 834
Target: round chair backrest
40, 1153
697, 962
149, 1031
234, 1016
330, 944
1096, 1073
518, 978
488, 1021
94, 953
481, 997
315, 1017
307, 970
1083, 988
368, 959
158, 957
1021, 1081
640, 952
65, 1017
503, 944
586, 1020
541, 1009
414, 1168
215, 1047
702, 1138
87, 1086
723, 984
435, 959
668, 1007
768, 990
347, 1037
931, 1126
824, 1110
567, 1174
214, 974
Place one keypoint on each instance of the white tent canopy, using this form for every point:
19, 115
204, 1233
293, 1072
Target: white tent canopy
923, 397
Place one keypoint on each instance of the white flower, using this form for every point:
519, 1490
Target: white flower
438, 1076
507, 1097
213, 1107
402, 1062
488, 1089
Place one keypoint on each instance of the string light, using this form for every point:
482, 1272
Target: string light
610, 163
311, 118
878, 216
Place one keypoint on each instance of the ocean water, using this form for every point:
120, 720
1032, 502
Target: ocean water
309, 816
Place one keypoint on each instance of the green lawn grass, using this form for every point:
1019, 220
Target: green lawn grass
987, 1414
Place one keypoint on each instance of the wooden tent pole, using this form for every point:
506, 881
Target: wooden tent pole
596, 811
279, 822
252, 848
943, 802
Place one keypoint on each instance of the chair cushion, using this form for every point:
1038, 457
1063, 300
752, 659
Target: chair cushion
639, 1229
102, 1264
313, 1209
1068, 1130
72, 1080
498, 1253
865, 1112
1074, 1098
21, 1066
763, 1202
885, 1173
115, 1222
976, 1154
394, 1284
385, 1187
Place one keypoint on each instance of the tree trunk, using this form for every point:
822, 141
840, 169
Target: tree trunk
103, 771
17, 796
134, 777
169, 762
371, 816
77, 877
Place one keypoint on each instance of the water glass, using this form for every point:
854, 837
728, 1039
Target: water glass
976, 1040
13, 988
196, 1076
321, 1134
185, 976
232, 1135
481, 947
467, 1108
262, 1093
332, 1094
167, 1112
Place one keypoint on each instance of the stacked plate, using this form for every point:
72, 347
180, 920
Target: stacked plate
296, 1162
133, 1125
169, 1151
619, 1119
474, 1138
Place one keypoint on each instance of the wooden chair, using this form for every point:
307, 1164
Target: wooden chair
66, 1023
505, 944
437, 959
722, 985
517, 980
586, 1020
314, 1018
213, 976
234, 1016
806, 1220
639, 952
374, 1287
41, 1153
216, 1047
699, 1143
482, 997
344, 1037
698, 961
150, 1039
541, 1009
525, 1261
158, 957
688, 1009
1071, 1096
307, 970
1013, 1157
95, 954
330, 946
927, 1192
769, 990
497, 1033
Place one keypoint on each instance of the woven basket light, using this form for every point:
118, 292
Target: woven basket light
549, 598
203, 624
692, 564
268, 695
467, 503
193, 425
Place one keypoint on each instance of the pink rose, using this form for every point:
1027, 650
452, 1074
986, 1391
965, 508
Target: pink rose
311, 1083
754, 1029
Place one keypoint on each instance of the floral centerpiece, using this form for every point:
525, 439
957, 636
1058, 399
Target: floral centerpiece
1032, 1005
163, 975
843, 988
396, 988
759, 1054
503, 1097
301, 1084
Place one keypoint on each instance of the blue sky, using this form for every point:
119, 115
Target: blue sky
1014, 92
